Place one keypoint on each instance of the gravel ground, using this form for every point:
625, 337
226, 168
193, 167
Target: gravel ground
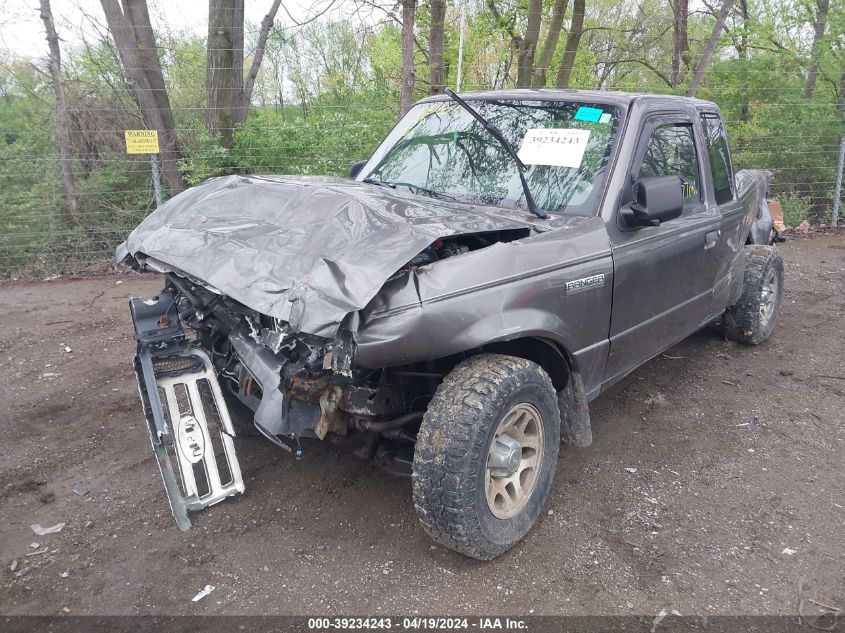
714, 485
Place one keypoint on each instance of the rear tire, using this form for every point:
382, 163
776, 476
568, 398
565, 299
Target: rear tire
486, 454
751, 319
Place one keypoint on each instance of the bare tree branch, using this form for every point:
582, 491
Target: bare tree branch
576, 29
710, 48
258, 56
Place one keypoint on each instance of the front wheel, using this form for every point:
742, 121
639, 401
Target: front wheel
752, 319
486, 454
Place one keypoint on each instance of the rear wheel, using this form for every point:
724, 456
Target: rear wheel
752, 319
486, 454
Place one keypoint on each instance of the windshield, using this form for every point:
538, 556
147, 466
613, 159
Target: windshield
438, 149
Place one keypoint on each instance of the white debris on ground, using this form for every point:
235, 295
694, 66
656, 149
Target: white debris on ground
41, 531
203, 593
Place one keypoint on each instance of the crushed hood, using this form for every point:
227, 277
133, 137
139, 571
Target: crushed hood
305, 250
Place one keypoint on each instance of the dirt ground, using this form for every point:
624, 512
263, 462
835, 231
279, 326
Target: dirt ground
737, 504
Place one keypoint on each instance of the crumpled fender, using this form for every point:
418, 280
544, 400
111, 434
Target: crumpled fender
753, 185
504, 292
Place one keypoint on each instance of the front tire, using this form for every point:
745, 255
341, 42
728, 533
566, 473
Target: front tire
486, 454
752, 319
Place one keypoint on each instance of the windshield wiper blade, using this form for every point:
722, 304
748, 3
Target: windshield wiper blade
416, 189
497, 134
379, 183
422, 190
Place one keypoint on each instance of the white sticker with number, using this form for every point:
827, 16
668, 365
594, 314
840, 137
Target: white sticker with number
558, 147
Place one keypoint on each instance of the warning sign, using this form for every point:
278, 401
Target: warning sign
141, 141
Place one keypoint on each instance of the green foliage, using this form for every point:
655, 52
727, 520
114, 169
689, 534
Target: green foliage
326, 142
29, 176
205, 159
386, 58
796, 209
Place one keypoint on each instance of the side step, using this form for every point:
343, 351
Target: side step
187, 416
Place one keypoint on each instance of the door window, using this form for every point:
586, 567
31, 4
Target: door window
720, 158
671, 152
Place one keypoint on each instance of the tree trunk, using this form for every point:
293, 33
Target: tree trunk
822, 8
710, 48
129, 23
680, 41
528, 45
742, 53
436, 68
258, 57
224, 78
139, 16
549, 46
576, 29
406, 89
62, 120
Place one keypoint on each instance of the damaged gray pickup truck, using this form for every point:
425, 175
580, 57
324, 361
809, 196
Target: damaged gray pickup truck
450, 309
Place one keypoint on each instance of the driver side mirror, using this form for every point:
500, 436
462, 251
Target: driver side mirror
356, 168
657, 199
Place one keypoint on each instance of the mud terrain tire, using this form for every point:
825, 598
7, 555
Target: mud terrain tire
751, 319
451, 481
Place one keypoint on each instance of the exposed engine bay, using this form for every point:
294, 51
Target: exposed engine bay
460, 245
299, 385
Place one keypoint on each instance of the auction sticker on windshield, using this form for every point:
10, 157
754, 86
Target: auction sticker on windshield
557, 147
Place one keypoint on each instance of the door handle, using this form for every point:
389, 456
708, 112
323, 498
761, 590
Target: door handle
710, 239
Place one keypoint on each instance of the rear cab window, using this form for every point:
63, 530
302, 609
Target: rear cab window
721, 168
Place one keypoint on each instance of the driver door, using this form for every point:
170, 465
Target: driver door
663, 277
